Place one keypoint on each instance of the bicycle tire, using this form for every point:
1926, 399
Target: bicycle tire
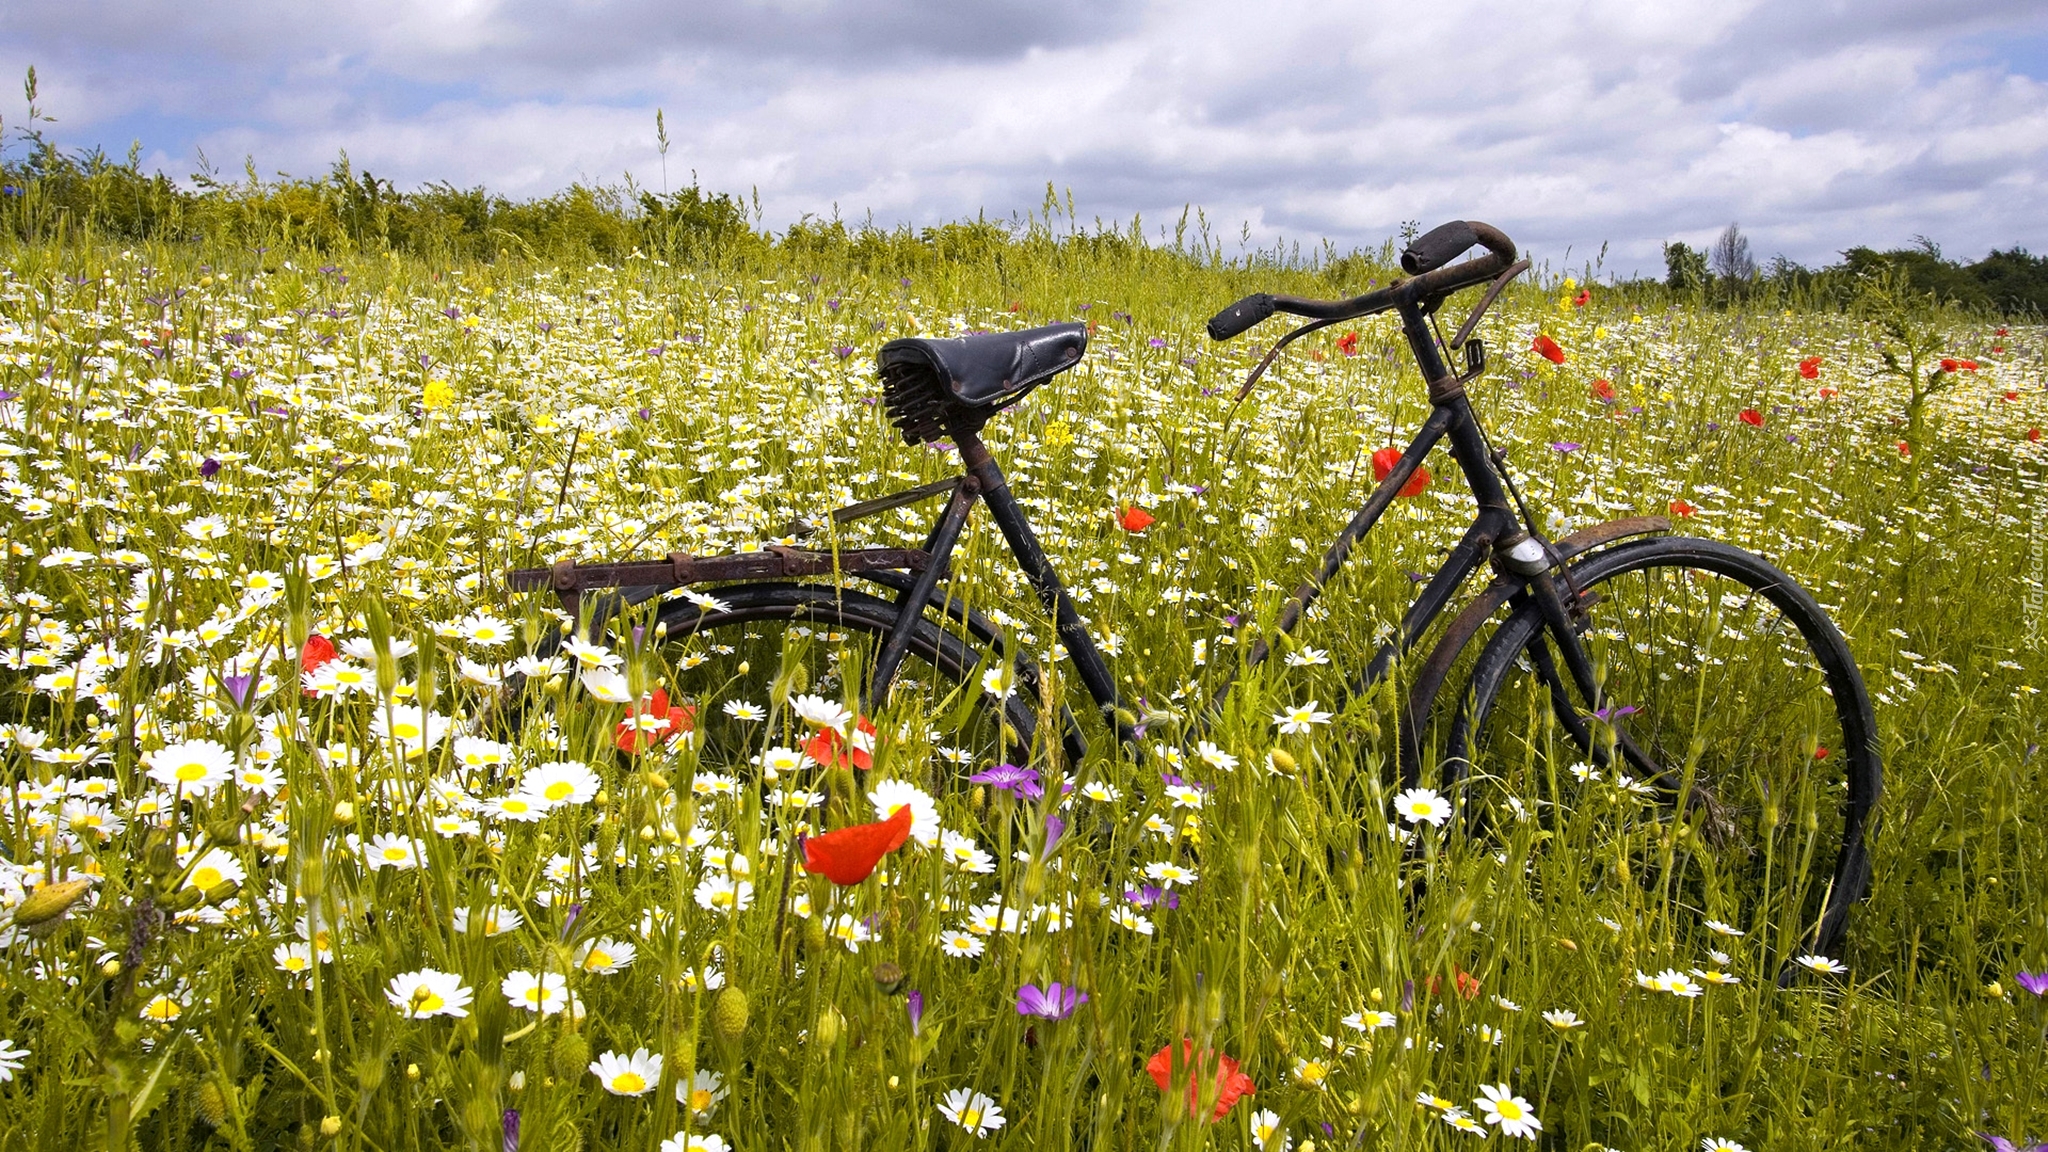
724, 650
1793, 736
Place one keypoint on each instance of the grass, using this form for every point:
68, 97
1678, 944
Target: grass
213, 455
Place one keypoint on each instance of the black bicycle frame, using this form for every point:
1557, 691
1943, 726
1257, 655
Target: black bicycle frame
1451, 418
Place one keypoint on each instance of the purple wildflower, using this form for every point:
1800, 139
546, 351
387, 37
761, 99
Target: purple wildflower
1054, 829
510, 1142
1055, 1001
1020, 782
2035, 982
2001, 1144
238, 688
1611, 713
1152, 896
914, 1001
1156, 342
209, 468
843, 351
1565, 446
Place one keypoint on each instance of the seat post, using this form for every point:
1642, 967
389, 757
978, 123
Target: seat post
1023, 542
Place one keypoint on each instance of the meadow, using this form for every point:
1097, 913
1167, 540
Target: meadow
277, 871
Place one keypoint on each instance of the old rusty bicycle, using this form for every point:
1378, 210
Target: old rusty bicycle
1680, 668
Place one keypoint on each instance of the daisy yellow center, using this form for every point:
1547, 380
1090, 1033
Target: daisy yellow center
629, 1082
1508, 1109
348, 676
970, 1117
190, 771
537, 995
406, 729
598, 958
395, 853
514, 804
164, 1008
700, 1099
559, 790
206, 877
295, 963
425, 999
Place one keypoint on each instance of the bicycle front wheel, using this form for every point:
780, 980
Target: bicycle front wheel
1730, 763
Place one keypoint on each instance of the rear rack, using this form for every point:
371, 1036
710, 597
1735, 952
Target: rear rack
570, 580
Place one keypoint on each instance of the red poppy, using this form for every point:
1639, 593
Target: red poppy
1135, 519
1016, 305
1231, 1084
2012, 395
2034, 434
1751, 417
832, 750
1810, 367
643, 728
317, 652
1603, 390
2000, 332
848, 856
1348, 343
1829, 393
1584, 298
1820, 752
1968, 365
1383, 462
1468, 984
1547, 348
1681, 509
1905, 449
1997, 349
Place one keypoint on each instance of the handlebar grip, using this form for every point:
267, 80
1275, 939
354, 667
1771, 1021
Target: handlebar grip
1240, 316
1438, 247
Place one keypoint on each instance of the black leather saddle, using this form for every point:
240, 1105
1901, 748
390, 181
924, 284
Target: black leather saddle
939, 388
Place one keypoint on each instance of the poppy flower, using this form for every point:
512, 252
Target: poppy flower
1135, 519
849, 855
1603, 390
645, 727
1584, 298
1905, 449
1820, 752
2000, 332
1468, 984
1810, 367
1231, 1084
1547, 348
316, 653
1383, 462
1829, 393
2012, 395
1681, 509
828, 747
2034, 434
1348, 343
1751, 417
1950, 364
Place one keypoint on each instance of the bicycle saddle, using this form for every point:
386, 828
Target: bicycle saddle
936, 388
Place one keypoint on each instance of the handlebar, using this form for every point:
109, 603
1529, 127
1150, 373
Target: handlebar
1424, 260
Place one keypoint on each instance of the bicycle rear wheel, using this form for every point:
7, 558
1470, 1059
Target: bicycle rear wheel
738, 658
1729, 699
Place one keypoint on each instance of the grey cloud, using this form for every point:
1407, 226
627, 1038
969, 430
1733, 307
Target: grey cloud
1816, 125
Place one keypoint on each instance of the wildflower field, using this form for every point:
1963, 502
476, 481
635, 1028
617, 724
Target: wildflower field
307, 841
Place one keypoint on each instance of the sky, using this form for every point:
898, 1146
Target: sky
1816, 125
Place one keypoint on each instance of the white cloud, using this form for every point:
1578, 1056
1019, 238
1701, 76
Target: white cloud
1817, 125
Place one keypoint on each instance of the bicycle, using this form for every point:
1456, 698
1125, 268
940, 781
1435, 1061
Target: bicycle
1607, 635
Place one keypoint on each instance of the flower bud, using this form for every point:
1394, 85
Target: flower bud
1282, 761
888, 976
330, 1126
49, 902
827, 1031
729, 1015
344, 812
570, 1057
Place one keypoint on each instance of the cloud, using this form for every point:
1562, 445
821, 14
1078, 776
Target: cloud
1817, 126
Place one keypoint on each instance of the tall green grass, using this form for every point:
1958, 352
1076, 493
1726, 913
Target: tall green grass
392, 433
